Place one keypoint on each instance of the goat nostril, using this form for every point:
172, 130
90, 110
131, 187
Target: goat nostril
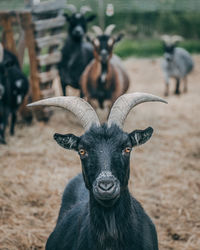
106, 185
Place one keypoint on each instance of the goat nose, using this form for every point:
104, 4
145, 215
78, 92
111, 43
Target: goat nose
103, 52
78, 30
106, 185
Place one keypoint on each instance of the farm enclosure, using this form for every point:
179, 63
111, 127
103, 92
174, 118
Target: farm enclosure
164, 172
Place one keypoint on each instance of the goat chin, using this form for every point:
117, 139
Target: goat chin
107, 202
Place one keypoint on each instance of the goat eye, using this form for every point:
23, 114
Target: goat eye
127, 150
82, 152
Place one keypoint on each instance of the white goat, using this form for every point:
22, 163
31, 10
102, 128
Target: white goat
177, 63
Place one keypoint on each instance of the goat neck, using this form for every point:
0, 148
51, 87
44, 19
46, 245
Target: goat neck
76, 40
113, 223
104, 72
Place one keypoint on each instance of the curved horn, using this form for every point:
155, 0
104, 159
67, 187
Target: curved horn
166, 39
72, 8
125, 103
97, 30
109, 29
84, 9
1, 52
176, 39
171, 40
82, 109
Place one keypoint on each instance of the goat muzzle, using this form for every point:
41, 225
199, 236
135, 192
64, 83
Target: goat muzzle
78, 32
106, 189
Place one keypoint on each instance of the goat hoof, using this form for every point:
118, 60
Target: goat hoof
2, 141
12, 133
166, 94
177, 92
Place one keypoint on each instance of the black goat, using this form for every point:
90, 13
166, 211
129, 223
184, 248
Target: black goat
76, 53
97, 211
13, 88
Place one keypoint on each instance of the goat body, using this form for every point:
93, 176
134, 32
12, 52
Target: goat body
177, 64
104, 81
75, 57
13, 87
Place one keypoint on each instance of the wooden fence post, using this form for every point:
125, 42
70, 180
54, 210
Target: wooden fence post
26, 22
27, 25
8, 42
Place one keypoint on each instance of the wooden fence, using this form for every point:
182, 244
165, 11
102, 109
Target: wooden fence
43, 34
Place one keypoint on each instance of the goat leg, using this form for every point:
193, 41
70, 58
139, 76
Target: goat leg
2, 134
2, 131
185, 89
81, 94
166, 93
13, 120
177, 91
63, 88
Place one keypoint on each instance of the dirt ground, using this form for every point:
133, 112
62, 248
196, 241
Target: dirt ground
165, 172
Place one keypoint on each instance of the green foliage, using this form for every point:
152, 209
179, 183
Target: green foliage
148, 48
26, 69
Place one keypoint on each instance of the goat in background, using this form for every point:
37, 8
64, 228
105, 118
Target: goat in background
104, 78
177, 63
13, 87
76, 53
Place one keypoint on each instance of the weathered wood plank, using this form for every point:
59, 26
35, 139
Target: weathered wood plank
8, 35
48, 6
48, 76
52, 58
49, 23
50, 40
26, 21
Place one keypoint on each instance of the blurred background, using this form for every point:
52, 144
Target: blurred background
142, 21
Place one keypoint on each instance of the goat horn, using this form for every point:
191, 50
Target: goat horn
1, 52
82, 109
85, 9
176, 38
166, 39
97, 30
125, 103
109, 29
72, 8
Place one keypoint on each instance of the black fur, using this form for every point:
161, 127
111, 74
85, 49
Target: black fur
76, 53
169, 48
13, 88
83, 222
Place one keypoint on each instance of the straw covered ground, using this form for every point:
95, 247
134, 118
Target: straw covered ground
165, 172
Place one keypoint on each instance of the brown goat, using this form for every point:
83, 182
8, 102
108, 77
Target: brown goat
104, 78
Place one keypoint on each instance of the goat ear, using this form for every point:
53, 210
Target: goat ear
139, 137
90, 18
119, 37
68, 141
